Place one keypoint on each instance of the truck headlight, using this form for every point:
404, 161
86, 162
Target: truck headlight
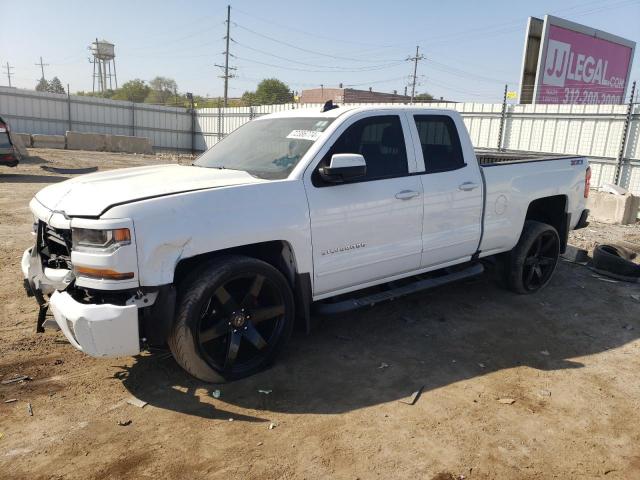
90, 240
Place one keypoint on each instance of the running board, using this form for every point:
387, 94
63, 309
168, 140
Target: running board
417, 286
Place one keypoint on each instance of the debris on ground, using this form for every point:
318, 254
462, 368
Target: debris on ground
384, 365
124, 423
413, 398
69, 171
265, 392
628, 326
11, 400
506, 401
272, 425
544, 393
605, 279
482, 365
545, 353
216, 394
636, 297
259, 444
29, 409
19, 378
136, 402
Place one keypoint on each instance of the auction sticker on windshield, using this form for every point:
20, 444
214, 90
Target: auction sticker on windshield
311, 135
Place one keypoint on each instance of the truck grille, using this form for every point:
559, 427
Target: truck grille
54, 246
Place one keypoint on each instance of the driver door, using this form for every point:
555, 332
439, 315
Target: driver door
371, 227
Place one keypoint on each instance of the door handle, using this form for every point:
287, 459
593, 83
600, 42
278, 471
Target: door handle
467, 186
407, 194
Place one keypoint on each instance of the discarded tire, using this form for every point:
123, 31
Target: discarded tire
616, 261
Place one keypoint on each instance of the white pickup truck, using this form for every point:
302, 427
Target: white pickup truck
294, 212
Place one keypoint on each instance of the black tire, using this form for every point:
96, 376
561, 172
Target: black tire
616, 261
531, 263
234, 316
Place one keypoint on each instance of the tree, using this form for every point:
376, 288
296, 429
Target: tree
424, 97
162, 89
55, 86
42, 86
134, 91
270, 91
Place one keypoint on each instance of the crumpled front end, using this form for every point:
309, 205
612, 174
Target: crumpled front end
99, 316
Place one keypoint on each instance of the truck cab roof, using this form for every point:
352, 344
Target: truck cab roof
337, 112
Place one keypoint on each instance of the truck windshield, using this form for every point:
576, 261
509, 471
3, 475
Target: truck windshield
268, 148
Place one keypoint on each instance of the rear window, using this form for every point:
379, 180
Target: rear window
440, 143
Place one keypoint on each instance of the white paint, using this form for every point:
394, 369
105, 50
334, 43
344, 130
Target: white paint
402, 226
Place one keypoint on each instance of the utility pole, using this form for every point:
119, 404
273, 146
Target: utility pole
226, 66
42, 65
8, 68
415, 61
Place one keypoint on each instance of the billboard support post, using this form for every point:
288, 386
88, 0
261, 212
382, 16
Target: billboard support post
625, 134
503, 117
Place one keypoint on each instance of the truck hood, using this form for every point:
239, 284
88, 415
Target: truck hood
90, 195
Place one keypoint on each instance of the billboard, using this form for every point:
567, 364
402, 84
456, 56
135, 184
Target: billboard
575, 64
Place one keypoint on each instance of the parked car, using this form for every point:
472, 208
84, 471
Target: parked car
9, 155
294, 211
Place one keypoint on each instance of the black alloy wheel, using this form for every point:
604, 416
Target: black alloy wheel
540, 261
240, 323
529, 266
233, 317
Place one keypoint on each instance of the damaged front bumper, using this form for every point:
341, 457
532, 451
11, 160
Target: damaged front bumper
110, 323
103, 330
99, 330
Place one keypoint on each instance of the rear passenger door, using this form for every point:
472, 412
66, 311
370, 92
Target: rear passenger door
453, 189
370, 228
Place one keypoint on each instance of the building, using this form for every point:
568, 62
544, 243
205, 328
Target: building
350, 95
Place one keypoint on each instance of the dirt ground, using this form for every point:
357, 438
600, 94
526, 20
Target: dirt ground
568, 357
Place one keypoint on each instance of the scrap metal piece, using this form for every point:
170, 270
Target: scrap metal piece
69, 171
413, 398
19, 378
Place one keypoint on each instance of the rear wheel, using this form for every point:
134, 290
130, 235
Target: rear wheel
531, 263
233, 318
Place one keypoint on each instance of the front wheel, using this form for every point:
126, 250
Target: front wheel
533, 260
233, 318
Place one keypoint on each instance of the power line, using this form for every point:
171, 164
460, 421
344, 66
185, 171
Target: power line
310, 34
415, 61
42, 65
337, 68
226, 66
364, 69
8, 68
314, 52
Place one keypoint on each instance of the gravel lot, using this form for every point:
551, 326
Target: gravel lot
526, 387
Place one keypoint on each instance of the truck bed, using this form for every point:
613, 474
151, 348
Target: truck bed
489, 157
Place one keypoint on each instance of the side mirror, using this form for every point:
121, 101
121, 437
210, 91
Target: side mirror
344, 167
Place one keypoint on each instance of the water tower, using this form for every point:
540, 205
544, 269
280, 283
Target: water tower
104, 62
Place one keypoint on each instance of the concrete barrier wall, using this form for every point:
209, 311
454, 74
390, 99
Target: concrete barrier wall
123, 143
95, 142
101, 142
23, 138
610, 208
48, 141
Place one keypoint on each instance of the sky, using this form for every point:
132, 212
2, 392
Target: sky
471, 48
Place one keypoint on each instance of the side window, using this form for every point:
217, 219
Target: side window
440, 143
380, 141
